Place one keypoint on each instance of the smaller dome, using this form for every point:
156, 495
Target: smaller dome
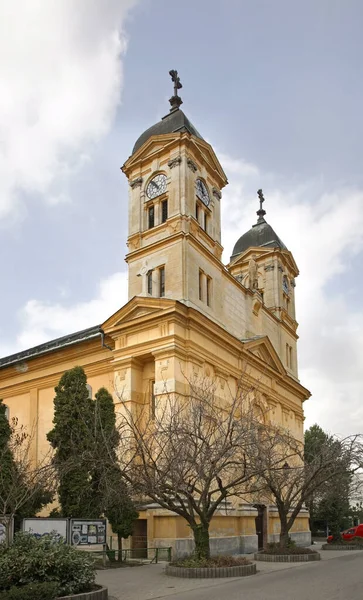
175, 121
260, 235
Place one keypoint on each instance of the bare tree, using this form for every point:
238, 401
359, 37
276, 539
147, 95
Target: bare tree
193, 452
24, 483
286, 478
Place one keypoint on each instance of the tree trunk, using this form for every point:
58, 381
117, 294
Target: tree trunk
119, 539
284, 531
201, 539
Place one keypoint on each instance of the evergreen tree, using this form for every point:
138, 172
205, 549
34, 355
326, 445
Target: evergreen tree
7, 463
73, 440
108, 481
330, 505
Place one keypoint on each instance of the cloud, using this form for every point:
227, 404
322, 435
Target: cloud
324, 231
60, 84
41, 321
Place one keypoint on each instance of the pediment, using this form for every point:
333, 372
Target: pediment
138, 308
263, 349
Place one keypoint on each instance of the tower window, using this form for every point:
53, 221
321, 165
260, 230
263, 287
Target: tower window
209, 290
152, 399
164, 211
151, 216
200, 285
205, 224
162, 282
150, 283
197, 211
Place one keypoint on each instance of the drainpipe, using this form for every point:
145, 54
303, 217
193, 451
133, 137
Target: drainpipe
103, 341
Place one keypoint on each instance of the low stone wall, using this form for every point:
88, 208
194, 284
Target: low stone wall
241, 544
98, 594
211, 572
287, 558
301, 538
338, 547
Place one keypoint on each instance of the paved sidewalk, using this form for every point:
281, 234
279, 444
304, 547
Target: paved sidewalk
148, 582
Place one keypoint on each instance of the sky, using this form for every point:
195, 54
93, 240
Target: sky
275, 87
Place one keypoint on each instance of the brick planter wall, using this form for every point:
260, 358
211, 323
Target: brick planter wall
341, 547
287, 558
98, 594
211, 572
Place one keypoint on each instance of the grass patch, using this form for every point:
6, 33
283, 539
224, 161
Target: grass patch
192, 562
353, 542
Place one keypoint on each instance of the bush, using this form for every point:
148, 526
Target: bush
192, 562
32, 560
32, 591
275, 548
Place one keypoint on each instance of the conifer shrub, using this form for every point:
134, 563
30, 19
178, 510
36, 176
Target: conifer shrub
32, 591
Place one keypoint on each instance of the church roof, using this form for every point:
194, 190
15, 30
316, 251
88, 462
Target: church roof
260, 235
174, 121
67, 340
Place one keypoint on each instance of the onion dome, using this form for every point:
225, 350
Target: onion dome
260, 235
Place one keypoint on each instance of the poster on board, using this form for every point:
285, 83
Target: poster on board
39, 526
87, 532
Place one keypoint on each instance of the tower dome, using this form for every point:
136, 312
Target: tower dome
174, 121
260, 235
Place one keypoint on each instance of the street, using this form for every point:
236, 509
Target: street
338, 576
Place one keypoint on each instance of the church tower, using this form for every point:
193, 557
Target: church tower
174, 238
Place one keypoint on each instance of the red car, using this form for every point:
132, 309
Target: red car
348, 534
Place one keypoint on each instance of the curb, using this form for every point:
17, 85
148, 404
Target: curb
99, 594
339, 547
211, 572
287, 558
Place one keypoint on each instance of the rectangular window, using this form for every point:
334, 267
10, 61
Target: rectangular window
150, 283
162, 282
287, 355
152, 399
200, 285
290, 356
164, 211
197, 211
209, 291
151, 215
205, 225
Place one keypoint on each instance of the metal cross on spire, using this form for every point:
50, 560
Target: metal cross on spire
261, 212
175, 100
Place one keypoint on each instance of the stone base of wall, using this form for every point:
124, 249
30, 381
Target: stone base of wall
287, 558
101, 593
211, 572
301, 538
182, 547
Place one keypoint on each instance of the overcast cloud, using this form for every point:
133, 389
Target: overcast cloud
278, 98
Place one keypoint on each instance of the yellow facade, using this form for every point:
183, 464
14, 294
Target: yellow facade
187, 314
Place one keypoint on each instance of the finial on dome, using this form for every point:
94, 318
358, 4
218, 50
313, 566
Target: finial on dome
261, 213
175, 100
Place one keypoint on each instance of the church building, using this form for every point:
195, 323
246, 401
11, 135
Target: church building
187, 312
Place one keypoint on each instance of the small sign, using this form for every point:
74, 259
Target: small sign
87, 532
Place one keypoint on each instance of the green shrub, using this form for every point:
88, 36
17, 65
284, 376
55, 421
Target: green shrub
32, 591
32, 560
192, 562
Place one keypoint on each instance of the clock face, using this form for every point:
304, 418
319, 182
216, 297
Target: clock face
285, 285
156, 186
202, 192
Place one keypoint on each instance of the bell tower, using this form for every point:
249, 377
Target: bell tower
174, 235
